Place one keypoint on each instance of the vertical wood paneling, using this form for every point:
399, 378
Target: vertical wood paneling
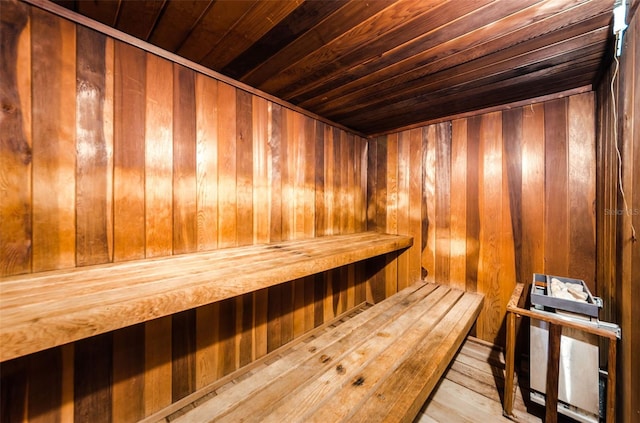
157, 360
429, 224
93, 377
45, 395
532, 203
185, 237
128, 374
482, 191
93, 205
159, 157
15, 140
618, 254
556, 190
416, 163
129, 153
458, 187
404, 177
54, 141
581, 180
442, 222
183, 360
391, 269
491, 211
473, 204
207, 162
227, 195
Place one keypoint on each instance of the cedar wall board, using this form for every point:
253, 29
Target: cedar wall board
109, 153
618, 256
492, 198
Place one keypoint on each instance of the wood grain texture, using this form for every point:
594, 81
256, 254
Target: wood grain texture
185, 229
618, 254
15, 140
495, 225
93, 205
128, 374
54, 141
129, 153
206, 90
93, 378
158, 158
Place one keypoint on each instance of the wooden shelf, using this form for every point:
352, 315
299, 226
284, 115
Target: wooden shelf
40, 311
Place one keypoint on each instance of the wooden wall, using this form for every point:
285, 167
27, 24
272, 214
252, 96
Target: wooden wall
109, 153
491, 199
618, 256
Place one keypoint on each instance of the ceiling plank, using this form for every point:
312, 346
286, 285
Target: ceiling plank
249, 29
523, 54
569, 75
138, 18
300, 21
177, 22
401, 14
518, 28
104, 11
213, 26
332, 27
448, 19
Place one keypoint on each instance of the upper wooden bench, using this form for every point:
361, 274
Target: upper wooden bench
379, 365
43, 310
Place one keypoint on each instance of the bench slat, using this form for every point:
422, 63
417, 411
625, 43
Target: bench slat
276, 380
40, 311
398, 348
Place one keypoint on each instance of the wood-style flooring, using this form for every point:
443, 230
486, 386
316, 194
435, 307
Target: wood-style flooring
471, 390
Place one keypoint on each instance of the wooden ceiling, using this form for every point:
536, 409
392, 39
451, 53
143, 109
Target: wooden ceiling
378, 65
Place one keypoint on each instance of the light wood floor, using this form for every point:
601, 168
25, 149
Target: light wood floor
472, 388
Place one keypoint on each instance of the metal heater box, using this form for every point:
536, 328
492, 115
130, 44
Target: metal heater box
579, 378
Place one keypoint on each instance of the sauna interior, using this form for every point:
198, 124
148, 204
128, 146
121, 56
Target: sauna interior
487, 140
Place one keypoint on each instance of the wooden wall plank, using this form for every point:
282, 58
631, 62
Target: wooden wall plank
261, 123
473, 203
159, 157
183, 356
391, 269
416, 139
93, 205
458, 186
404, 174
442, 222
157, 361
93, 377
244, 168
207, 347
54, 144
45, 394
581, 186
128, 374
533, 203
429, 228
207, 162
512, 146
15, 140
185, 235
491, 211
129, 153
556, 189
321, 205
227, 180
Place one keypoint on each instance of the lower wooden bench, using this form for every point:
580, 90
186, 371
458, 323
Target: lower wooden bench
380, 365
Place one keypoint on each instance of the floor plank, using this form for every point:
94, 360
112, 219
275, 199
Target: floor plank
471, 389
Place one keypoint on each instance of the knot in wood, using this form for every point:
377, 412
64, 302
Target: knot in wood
340, 369
359, 381
324, 358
